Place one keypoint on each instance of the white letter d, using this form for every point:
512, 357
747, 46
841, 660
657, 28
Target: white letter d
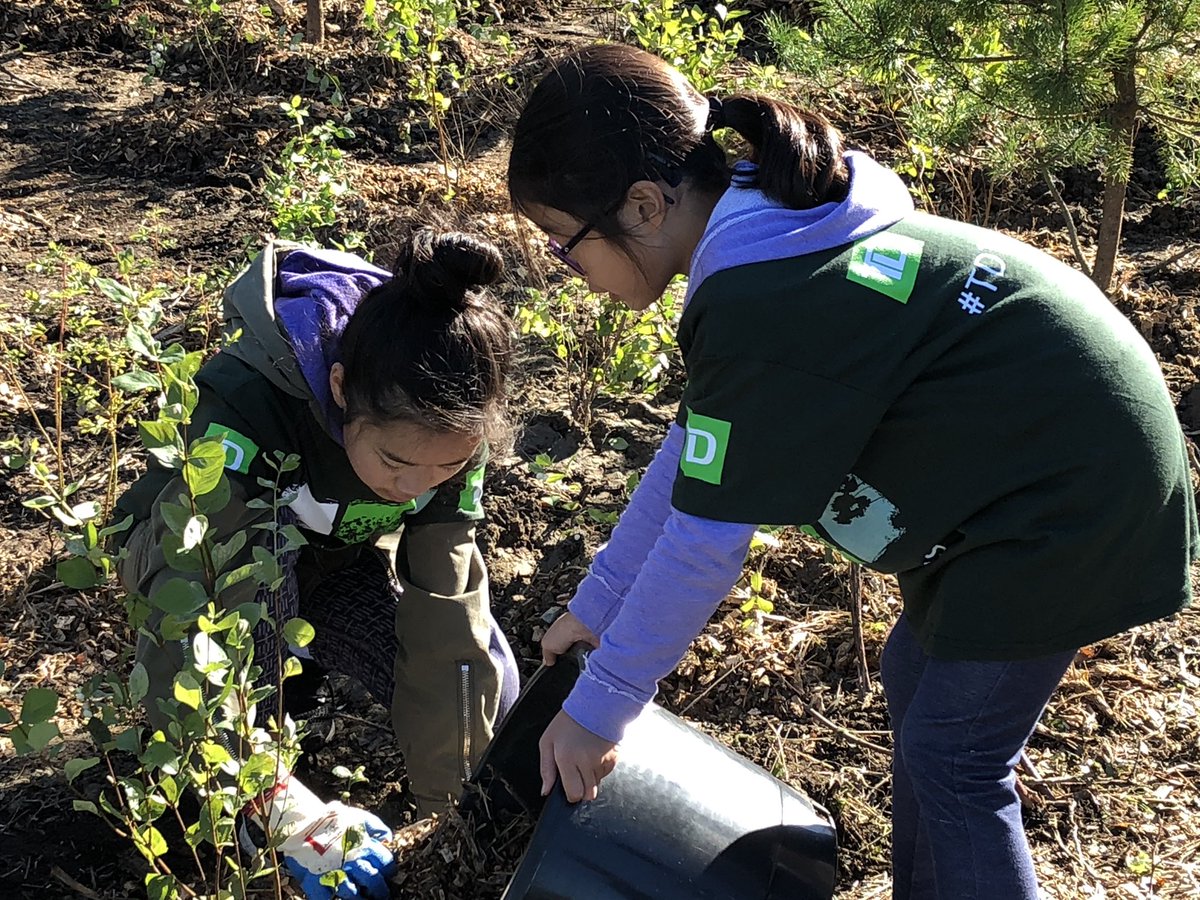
692, 453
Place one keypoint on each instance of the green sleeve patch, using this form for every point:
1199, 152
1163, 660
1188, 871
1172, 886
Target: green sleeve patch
703, 456
470, 498
239, 449
363, 519
886, 262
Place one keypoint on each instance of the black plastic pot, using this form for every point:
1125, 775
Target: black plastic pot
681, 817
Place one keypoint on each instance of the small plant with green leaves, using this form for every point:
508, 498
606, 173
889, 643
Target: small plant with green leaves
327, 84
207, 27
700, 44
755, 606
601, 345
33, 728
74, 361
154, 232
561, 492
414, 33
213, 736
308, 185
348, 779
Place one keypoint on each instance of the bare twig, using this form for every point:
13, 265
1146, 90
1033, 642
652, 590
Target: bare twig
856, 622
733, 664
1175, 257
81, 889
1072, 806
829, 723
783, 766
1070, 220
1030, 782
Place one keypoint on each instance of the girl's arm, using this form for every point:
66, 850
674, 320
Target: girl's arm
690, 570
450, 688
148, 566
599, 596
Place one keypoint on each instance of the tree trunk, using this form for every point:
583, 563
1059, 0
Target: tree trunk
314, 22
1123, 122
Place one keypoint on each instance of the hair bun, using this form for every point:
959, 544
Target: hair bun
439, 269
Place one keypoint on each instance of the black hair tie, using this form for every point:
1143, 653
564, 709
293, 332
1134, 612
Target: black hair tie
716, 115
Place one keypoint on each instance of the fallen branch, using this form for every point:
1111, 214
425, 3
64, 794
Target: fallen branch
81, 889
1174, 258
834, 726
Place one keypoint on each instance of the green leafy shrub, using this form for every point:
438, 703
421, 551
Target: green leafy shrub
601, 345
220, 742
309, 184
700, 44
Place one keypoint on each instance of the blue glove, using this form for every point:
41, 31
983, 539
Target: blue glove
316, 842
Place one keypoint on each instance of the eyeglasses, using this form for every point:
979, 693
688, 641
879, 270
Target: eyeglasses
563, 251
662, 167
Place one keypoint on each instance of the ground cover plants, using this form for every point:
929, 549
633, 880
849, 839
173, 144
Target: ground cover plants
148, 145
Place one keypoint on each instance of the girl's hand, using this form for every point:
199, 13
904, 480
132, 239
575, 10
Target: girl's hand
579, 757
559, 637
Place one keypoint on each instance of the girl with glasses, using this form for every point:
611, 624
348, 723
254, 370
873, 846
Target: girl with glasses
936, 400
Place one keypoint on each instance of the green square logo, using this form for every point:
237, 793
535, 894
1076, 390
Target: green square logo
703, 456
239, 449
886, 262
470, 498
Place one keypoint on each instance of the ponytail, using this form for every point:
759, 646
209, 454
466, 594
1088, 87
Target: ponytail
609, 115
799, 153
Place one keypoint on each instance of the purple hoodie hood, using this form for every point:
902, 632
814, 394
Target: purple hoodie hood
316, 293
747, 226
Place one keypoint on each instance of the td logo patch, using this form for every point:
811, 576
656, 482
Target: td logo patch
886, 262
703, 456
470, 498
239, 449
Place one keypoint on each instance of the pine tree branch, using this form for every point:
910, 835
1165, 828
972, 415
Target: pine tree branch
971, 60
1186, 132
1178, 120
849, 15
1147, 24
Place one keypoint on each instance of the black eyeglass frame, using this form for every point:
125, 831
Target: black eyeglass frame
667, 172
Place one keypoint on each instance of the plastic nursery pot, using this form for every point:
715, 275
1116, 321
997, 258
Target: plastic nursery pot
681, 817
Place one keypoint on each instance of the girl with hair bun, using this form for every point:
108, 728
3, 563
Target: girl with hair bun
390, 387
936, 400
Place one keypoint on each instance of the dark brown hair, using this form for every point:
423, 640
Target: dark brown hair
609, 115
431, 346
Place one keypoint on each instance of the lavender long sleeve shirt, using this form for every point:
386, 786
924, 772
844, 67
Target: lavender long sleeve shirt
652, 588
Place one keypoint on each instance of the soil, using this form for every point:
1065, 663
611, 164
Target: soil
95, 157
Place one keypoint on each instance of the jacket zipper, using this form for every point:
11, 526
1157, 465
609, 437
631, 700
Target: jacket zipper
464, 700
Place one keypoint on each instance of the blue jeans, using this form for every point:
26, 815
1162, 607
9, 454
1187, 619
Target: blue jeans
959, 729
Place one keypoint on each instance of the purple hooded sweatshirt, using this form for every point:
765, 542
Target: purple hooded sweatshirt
653, 587
318, 291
